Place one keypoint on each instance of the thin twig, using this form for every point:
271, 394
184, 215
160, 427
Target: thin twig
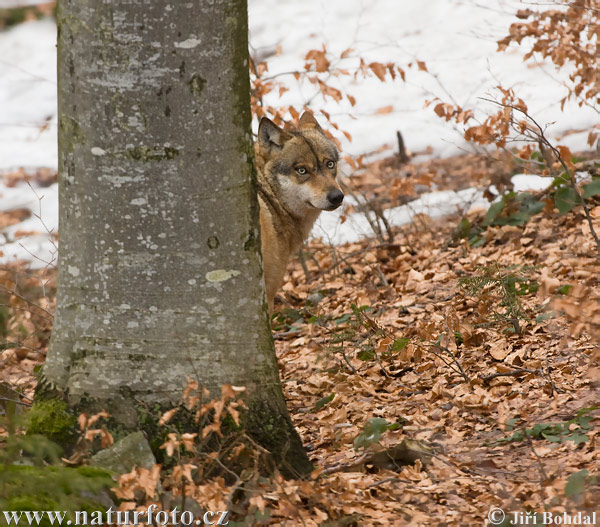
352, 368
381, 276
281, 335
548, 377
454, 360
512, 373
302, 259
29, 302
14, 401
388, 480
542, 471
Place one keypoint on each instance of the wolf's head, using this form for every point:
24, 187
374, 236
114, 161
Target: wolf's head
301, 165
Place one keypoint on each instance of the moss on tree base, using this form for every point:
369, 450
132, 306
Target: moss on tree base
52, 419
264, 422
274, 431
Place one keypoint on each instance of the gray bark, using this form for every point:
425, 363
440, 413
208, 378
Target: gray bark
160, 277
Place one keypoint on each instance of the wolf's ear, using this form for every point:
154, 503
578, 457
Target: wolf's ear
308, 121
269, 134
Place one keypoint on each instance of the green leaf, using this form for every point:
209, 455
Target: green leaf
531, 286
578, 438
518, 218
564, 289
476, 241
553, 438
263, 516
324, 401
366, 354
539, 428
576, 483
463, 230
292, 314
372, 432
512, 422
591, 189
537, 156
343, 318
519, 435
563, 179
534, 206
585, 411
400, 344
376, 424
493, 212
545, 316
565, 199
357, 310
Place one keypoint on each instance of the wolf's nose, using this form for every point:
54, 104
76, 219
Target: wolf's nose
335, 197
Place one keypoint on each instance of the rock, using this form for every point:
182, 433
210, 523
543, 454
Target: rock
132, 450
314, 298
170, 502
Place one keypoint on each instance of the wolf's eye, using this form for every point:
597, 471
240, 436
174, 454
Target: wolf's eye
301, 171
330, 164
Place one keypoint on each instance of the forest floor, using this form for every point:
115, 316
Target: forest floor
421, 331
483, 355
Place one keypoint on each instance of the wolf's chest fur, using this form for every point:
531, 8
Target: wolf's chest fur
296, 173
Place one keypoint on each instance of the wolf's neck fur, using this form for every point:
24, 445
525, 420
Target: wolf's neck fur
293, 229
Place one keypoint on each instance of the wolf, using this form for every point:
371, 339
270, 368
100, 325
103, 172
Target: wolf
297, 179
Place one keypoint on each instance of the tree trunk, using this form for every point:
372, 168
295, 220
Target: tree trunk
159, 272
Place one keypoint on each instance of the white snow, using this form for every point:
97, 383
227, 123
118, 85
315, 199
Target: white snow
455, 38
28, 96
39, 247
435, 204
522, 182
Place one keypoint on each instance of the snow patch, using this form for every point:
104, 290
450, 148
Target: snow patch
434, 204
38, 247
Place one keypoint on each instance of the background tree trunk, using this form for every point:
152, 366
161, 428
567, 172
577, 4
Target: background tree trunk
159, 270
